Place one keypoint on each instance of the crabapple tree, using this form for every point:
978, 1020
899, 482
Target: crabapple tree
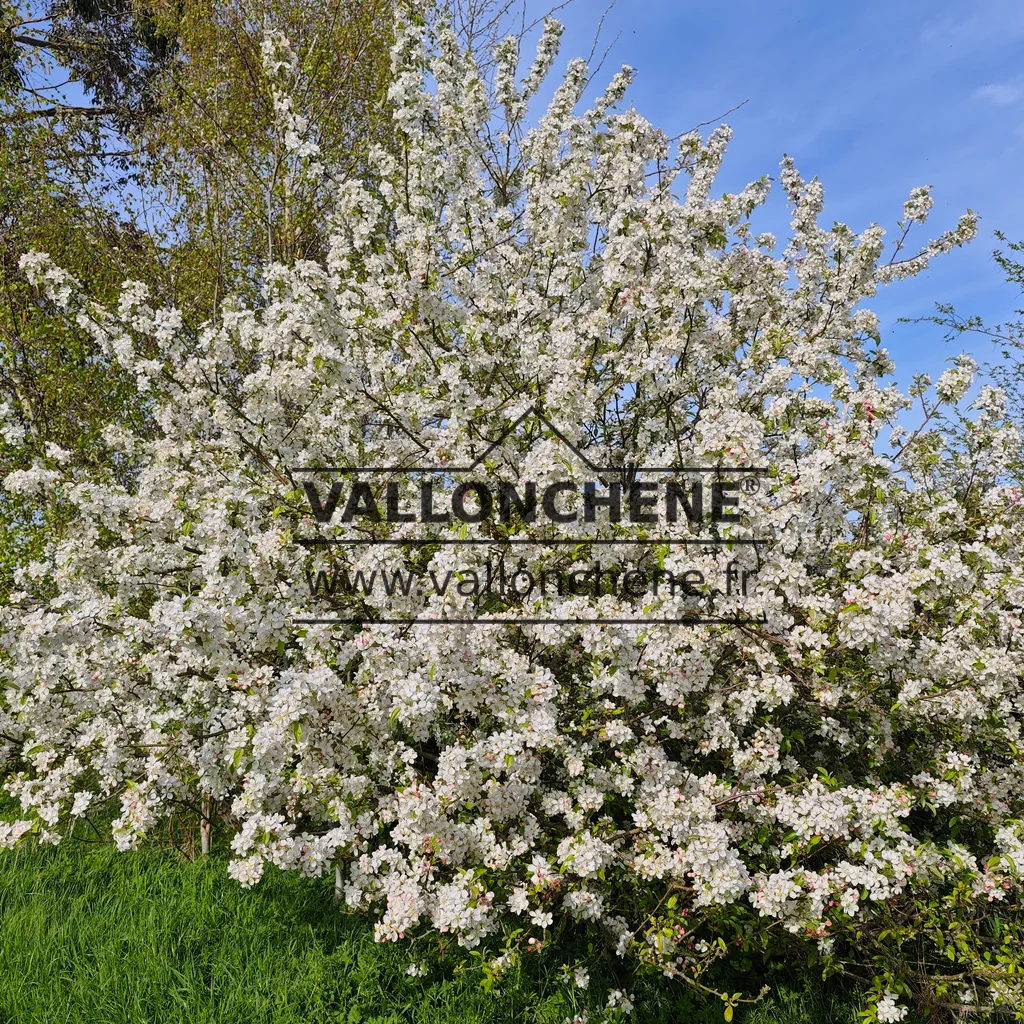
831, 764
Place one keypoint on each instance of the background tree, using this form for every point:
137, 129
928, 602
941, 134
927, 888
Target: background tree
217, 154
138, 140
111, 49
55, 388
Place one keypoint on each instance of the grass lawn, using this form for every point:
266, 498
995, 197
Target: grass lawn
90, 935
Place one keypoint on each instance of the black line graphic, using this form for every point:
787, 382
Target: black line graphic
532, 411
313, 542
687, 620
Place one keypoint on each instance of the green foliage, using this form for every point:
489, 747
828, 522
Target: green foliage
54, 384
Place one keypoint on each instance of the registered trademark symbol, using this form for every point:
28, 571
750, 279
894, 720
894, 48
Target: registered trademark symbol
751, 484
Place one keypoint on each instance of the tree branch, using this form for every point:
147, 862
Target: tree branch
58, 110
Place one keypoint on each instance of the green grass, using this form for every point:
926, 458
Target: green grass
90, 935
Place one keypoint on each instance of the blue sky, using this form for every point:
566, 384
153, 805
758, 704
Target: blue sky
872, 97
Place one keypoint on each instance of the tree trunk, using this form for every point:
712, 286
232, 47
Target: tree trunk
204, 828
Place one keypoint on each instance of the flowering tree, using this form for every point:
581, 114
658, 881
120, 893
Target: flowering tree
837, 772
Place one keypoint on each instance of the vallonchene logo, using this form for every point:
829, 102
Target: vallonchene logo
607, 535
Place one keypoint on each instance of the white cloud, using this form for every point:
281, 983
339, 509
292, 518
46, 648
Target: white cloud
1002, 94
989, 22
